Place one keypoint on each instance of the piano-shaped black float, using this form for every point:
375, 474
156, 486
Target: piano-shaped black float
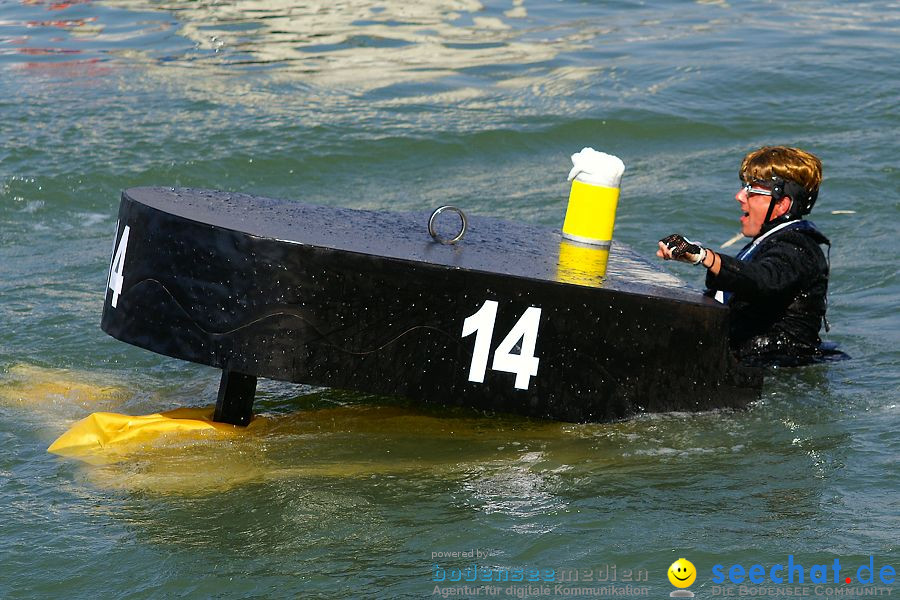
510, 319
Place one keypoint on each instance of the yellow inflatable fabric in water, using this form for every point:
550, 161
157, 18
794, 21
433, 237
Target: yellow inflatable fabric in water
32, 386
103, 431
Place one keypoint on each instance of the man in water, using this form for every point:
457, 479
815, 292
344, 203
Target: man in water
776, 286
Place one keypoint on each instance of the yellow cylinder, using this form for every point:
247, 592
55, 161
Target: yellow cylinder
591, 213
581, 264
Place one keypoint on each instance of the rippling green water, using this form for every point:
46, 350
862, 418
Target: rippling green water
403, 106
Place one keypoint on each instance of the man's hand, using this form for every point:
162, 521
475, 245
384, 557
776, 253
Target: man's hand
678, 247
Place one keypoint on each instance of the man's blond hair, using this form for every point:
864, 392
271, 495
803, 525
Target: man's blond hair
792, 164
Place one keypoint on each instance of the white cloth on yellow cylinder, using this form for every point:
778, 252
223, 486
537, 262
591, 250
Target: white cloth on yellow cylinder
597, 168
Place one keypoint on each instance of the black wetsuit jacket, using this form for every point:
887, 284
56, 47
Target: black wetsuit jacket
776, 291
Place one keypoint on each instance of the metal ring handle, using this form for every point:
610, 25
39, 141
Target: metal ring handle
458, 236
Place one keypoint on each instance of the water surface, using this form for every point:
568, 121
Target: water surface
405, 106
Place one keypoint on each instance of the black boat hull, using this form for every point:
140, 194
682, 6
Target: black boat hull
353, 309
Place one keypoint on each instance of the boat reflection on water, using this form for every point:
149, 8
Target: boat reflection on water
507, 464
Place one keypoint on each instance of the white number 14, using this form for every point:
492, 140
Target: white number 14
524, 364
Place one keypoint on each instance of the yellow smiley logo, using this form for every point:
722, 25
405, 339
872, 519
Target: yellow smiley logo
682, 573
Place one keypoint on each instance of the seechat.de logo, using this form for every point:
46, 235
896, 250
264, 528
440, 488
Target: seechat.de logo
794, 572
